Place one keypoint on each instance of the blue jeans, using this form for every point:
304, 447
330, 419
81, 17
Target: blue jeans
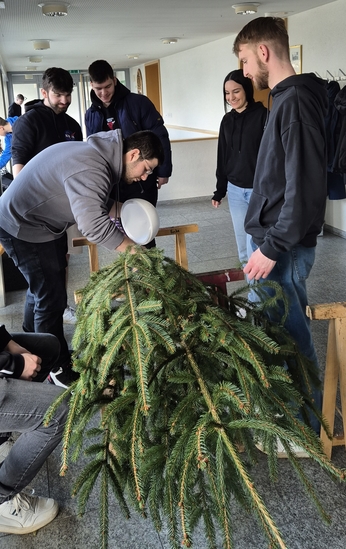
238, 201
291, 272
23, 405
44, 267
47, 347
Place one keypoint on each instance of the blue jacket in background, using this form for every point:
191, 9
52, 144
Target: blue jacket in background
6, 154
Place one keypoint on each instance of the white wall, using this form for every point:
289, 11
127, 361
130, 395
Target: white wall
191, 84
192, 96
193, 170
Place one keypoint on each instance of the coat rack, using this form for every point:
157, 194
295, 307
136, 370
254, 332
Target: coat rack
332, 77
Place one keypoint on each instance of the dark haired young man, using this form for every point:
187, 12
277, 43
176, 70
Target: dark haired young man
65, 184
45, 121
114, 106
286, 209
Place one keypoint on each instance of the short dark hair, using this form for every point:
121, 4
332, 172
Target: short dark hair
100, 70
20, 96
3, 122
148, 143
265, 29
238, 77
57, 79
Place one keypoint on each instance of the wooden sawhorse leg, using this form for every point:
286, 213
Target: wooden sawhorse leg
335, 368
92, 249
180, 244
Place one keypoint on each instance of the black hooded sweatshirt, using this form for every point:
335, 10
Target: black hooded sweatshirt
288, 201
239, 139
39, 128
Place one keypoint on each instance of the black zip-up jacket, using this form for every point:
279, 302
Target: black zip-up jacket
39, 128
11, 365
239, 140
339, 164
288, 201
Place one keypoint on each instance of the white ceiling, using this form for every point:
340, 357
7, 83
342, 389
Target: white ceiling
113, 29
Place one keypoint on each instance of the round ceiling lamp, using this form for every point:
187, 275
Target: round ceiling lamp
169, 40
246, 9
41, 44
54, 10
35, 59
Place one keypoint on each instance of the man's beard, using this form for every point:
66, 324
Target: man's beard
126, 175
261, 79
57, 109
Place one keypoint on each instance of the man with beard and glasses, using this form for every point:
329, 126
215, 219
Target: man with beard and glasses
69, 183
287, 206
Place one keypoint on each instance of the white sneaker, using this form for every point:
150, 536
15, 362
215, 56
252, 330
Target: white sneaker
24, 514
69, 316
241, 312
5, 449
298, 451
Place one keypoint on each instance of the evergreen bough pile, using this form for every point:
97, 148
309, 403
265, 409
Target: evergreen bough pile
181, 389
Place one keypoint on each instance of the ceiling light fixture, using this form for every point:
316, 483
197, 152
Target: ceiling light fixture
169, 40
281, 14
246, 9
132, 56
41, 44
35, 59
31, 68
54, 10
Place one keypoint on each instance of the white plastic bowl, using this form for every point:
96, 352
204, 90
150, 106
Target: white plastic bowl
140, 220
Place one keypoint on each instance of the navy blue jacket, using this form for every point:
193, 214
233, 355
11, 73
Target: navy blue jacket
134, 112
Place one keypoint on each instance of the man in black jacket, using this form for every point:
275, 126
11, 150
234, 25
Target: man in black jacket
15, 109
25, 359
45, 121
114, 106
286, 209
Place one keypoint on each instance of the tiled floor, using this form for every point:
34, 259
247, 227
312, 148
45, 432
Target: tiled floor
212, 248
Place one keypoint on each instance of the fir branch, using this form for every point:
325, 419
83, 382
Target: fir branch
179, 383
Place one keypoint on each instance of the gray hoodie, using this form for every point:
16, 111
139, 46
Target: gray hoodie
66, 183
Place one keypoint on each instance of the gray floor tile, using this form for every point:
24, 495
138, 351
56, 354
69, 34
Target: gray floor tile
212, 248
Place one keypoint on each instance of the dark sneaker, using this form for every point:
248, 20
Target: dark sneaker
63, 377
24, 514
